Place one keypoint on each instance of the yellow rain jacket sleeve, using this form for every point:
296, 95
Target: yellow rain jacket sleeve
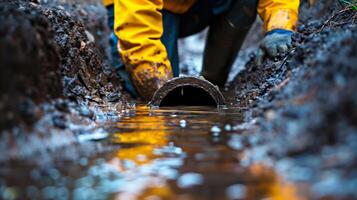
279, 14
139, 27
108, 2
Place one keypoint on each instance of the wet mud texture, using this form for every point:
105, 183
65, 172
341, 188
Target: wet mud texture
56, 84
53, 50
29, 63
303, 105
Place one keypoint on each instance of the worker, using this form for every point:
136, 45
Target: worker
145, 33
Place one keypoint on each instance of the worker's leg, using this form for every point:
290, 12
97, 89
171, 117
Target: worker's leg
225, 38
196, 19
169, 39
116, 61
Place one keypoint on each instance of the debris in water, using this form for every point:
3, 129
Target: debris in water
98, 134
237, 191
227, 127
170, 149
183, 123
215, 129
189, 179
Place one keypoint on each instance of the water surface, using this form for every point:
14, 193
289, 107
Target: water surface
188, 153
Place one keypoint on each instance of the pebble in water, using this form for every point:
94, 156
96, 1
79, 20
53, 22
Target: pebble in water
170, 149
215, 129
235, 142
183, 123
227, 127
236, 191
83, 161
141, 158
215, 134
189, 179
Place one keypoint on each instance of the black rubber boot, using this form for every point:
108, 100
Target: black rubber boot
225, 38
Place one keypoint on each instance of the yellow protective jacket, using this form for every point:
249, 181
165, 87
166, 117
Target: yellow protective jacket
138, 25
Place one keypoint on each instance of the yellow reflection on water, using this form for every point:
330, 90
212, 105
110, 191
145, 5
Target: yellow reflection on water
141, 133
270, 185
139, 136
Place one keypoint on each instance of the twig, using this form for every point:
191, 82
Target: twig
286, 57
354, 17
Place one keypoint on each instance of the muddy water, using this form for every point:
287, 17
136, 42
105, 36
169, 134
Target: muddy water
170, 153
187, 153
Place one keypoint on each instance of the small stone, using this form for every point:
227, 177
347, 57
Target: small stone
236, 191
270, 115
170, 149
83, 45
61, 105
84, 111
90, 36
228, 127
59, 121
141, 158
83, 161
215, 129
189, 179
183, 123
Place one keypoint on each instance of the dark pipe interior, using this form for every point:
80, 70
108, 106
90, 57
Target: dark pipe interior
188, 96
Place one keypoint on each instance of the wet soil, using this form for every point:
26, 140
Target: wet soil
54, 50
304, 103
68, 131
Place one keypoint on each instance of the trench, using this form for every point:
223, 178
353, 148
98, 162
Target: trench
191, 149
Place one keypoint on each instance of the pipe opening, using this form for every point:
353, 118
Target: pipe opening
188, 96
187, 91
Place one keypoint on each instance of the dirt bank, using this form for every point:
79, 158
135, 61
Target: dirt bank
304, 106
54, 71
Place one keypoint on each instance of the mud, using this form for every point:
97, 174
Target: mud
304, 104
55, 77
68, 131
69, 58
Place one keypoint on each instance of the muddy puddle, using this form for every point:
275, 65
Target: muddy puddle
188, 153
168, 153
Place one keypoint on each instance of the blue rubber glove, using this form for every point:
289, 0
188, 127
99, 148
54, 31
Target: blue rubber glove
274, 42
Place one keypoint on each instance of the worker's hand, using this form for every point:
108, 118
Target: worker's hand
147, 78
274, 42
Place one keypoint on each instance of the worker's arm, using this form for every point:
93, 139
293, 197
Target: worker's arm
280, 18
139, 27
279, 14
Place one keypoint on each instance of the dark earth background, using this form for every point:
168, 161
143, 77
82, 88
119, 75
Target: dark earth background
300, 109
